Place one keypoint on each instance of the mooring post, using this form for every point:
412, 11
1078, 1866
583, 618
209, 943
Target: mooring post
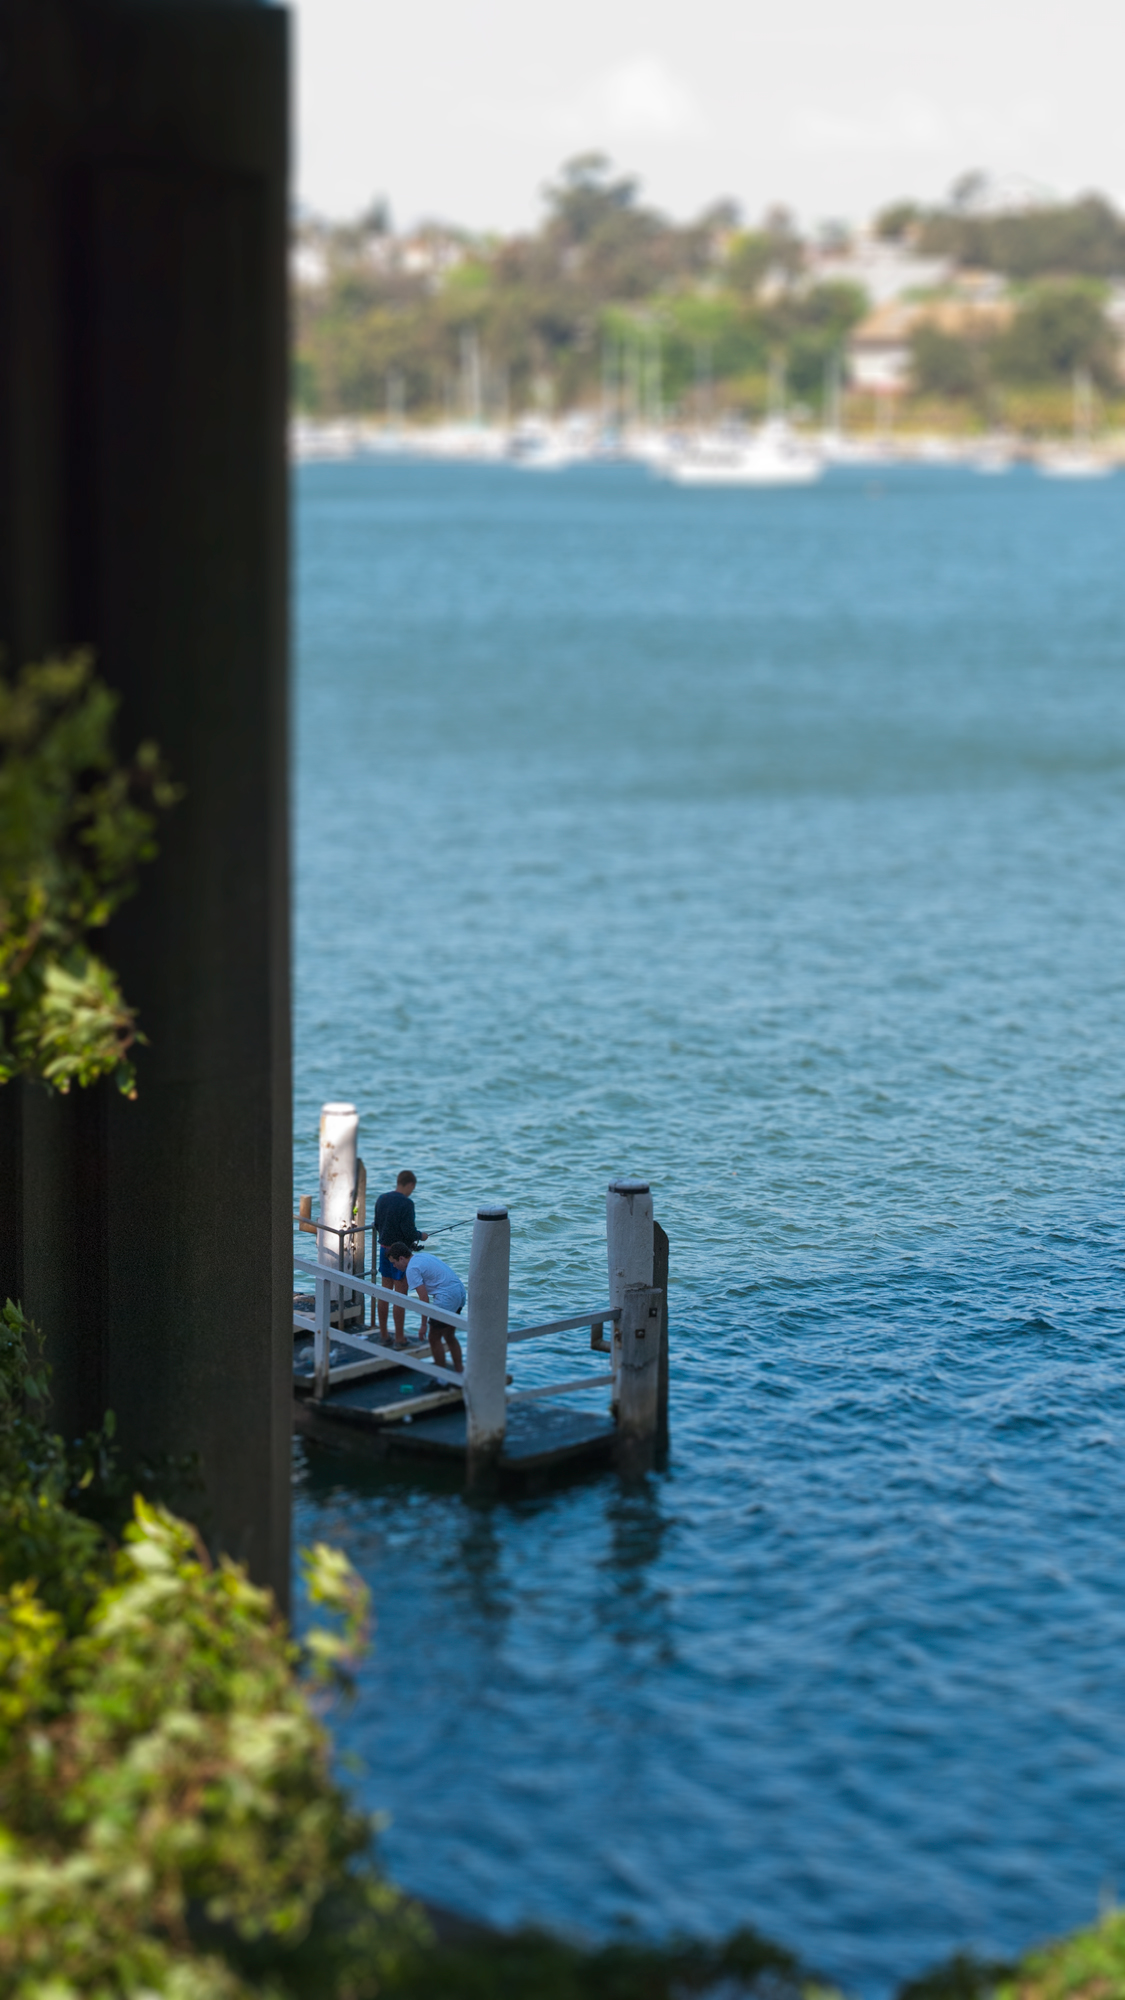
629, 1250
638, 1377
339, 1131
322, 1347
486, 1359
660, 1280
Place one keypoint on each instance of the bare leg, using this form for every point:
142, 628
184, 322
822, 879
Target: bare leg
440, 1336
400, 1316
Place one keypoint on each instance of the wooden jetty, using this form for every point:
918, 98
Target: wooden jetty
354, 1393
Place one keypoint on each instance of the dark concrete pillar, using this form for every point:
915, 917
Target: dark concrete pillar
143, 510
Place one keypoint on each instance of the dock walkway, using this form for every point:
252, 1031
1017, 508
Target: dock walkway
355, 1393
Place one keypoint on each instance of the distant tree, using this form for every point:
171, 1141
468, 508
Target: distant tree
779, 224
1083, 238
749, 258
896, 222
376, 218
946, 364
1057, 329
586, 196
810, 328
967, 190
721, 215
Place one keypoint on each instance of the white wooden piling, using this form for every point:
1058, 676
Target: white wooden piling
322, 1339
486, 1359
638, 1376
629, 1251
339, 1132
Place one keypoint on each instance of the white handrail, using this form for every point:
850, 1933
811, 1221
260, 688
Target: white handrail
343, 1281
597, 1316
560, 1388
404, 1356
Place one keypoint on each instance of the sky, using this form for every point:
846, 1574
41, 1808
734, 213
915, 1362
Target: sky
460, 110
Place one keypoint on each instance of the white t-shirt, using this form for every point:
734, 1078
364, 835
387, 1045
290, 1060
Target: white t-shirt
443, 1285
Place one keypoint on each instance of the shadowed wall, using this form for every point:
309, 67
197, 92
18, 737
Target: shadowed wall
143, 511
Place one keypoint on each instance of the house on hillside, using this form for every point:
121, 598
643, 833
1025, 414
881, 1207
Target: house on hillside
884, 271
879, 348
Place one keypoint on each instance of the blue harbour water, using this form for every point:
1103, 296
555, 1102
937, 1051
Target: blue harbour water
769, 846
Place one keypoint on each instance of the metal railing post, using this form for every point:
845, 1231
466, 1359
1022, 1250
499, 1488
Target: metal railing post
486, 1359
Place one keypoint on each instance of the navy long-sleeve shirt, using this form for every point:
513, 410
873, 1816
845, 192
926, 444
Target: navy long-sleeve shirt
394, 1219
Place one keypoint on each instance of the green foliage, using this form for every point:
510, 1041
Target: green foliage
163, 1771
40, 1536
75, 826
1080, 238
894, 223
1057, 329
333, 1654
539, 302
748, 260
962, 1977
1090, 1965
532, 1966
946, 364
549, 305
168, 1821
586, 198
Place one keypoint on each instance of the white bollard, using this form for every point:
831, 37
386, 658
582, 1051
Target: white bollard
322, 1346
629, 1245
339, 1133
486, 1359
641, 1328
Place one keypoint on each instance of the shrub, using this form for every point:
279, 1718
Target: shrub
75, 826
1057, 329
168, 1820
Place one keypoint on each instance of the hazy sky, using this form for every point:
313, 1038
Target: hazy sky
462, 110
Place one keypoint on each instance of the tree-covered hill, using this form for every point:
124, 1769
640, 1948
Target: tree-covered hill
610, 304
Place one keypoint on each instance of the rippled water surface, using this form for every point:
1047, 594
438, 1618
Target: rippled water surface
769, 846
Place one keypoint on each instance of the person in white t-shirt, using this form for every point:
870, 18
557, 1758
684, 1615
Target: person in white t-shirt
434, 1282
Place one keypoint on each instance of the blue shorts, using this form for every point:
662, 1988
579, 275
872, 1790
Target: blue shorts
389, 1272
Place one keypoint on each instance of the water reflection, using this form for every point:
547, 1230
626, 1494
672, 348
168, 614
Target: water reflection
478, 1559
630, 1607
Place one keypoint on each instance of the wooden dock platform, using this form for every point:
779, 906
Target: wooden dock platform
354, 1391
395, 1415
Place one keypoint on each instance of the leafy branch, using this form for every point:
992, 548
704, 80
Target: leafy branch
75, 827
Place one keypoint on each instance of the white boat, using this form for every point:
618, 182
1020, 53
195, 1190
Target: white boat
773, 456
309, 440
538, 446
1069, 461
933, 449
992, 456
840, 449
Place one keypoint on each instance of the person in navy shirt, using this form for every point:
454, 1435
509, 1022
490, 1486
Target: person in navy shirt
395, 1223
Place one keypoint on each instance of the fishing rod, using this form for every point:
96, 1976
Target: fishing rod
312, 1223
